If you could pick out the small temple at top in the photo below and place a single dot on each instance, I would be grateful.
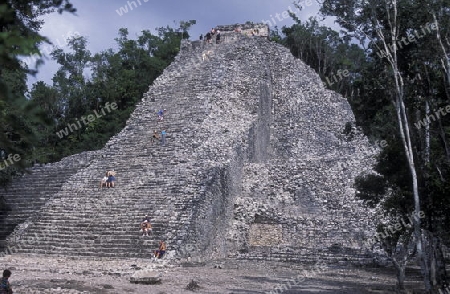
(249, 29)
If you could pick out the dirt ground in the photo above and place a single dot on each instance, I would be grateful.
(51, 274)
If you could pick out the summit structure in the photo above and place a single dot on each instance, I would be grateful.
(256, 165)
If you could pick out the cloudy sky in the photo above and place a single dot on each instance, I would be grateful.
(100, 20)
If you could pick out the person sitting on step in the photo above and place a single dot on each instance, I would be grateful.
(104, 180)
(161, 250)
(111, 179)
(146, 227)
(155, 137)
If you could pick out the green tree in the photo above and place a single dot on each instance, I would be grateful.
(19, 37)
(338, 62)
(69, 80)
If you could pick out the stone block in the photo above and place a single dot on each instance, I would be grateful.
(147, 277)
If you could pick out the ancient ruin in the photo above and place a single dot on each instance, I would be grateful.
(256, 166)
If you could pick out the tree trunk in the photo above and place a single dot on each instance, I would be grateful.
(445, 59)
(406, 139)
(400, 260)
(400, 276)
(438, 274)
(403, 124)
(432, 259)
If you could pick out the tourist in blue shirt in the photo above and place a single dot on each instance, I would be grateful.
(161, 114)
(163, 138)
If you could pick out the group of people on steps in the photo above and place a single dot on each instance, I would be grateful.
(146, 228)
(208, 38)
(213, 33)
(109, 179)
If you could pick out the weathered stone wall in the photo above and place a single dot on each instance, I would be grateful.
(214, 210)
(298, 167)
(265, 234)
(259, 134)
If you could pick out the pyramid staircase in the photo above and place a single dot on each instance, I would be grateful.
(31, 191)
(252, 138)
(81, 219)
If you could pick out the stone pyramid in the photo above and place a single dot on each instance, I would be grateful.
(256, 166)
